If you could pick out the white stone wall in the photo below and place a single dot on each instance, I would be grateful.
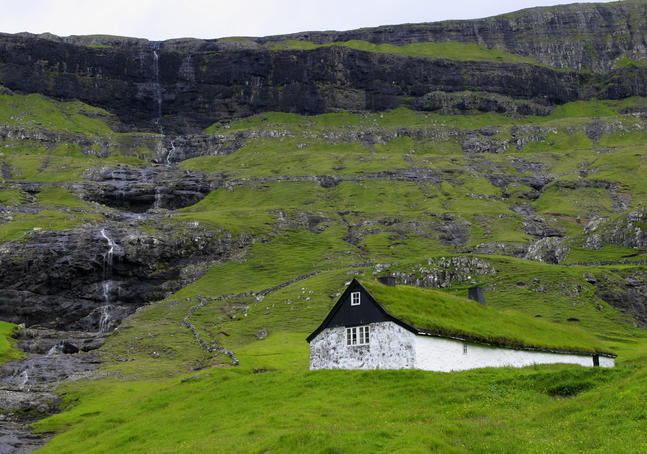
(446, 355)
(393, 347)
(390, 347)
(607, 362)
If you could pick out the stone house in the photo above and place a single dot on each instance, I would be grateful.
(359, 333)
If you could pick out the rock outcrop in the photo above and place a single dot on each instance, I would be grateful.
(91, 278)
(138, 189)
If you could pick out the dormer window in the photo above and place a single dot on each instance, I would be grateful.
(354, 299)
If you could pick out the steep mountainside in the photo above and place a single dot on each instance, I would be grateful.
(183, 207)
(579, 52)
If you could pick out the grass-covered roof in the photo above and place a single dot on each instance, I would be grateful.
(439, 313)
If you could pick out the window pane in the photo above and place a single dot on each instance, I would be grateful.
(354, 298)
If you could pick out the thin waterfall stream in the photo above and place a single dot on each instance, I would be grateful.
(107, 282)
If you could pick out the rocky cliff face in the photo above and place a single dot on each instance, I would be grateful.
(577, 36)
(92, 278)
(185, 85)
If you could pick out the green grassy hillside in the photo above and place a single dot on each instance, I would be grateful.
(433, 198)
(8, 349)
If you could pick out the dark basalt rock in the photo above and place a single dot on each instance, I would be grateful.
(185, 85)
(582, 36)
(63, 280)
(627, 291)
(27, 386)
(43, 341)
(537, 227)
(138, 189)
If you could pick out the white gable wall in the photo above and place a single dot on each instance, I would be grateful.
(393, 347)
(390, 347)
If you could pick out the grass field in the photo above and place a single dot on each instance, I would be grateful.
(272, 402)
(8, 350)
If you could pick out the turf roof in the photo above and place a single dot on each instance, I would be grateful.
(437, 313)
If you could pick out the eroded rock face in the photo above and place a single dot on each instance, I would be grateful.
(138, 189)
(625, 290)
(27, 387)
(91, 278)
(548, 250)
(629, 231)
(442, 272)
(590, 35)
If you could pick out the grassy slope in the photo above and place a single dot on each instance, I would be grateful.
(8, 350)
(234, 409)
(446, 50)
(26, 160)
(145, 407)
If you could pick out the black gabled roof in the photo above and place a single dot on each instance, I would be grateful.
(356, 285)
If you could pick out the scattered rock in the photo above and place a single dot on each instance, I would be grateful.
(548, 250)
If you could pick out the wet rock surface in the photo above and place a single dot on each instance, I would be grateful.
(138, 189)
(82, 279)
(27, 387)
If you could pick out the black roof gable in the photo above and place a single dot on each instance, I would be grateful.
(368, 311)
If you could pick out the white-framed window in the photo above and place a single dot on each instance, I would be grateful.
(354, 298)
(357, 335)
(464, 349)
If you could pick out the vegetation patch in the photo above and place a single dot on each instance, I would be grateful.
(23, 224)
(8, 347)
(444, 50)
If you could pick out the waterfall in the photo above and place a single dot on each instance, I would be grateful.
(24, 378)
(158, 99)
(158, 198)
(157, 86)
(170, 154)
(107, 283)
(104, 320)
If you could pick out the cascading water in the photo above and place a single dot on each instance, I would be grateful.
(157, 87)
(158, 199)
(158, 99)
(170, 154)
(24, 378)
(107, 283)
